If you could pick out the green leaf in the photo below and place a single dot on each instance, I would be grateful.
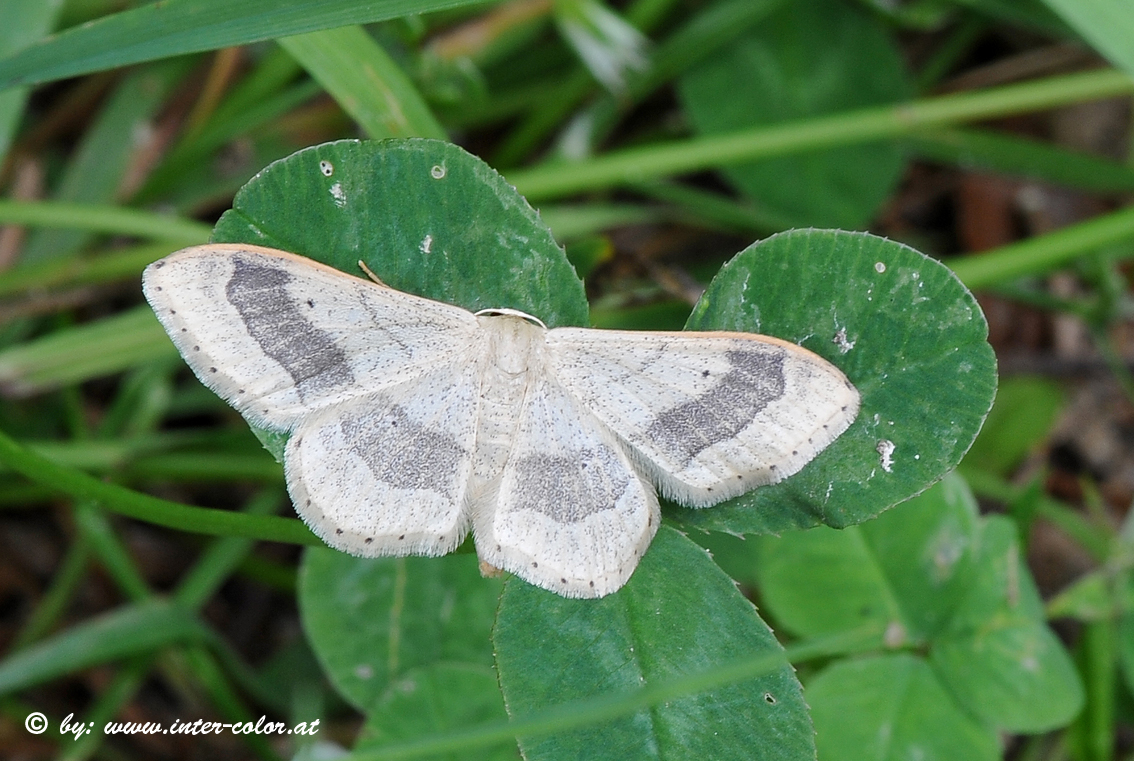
(999, 658)
(175, 27)
(916, 349)
(130, 630)
(1020, 420)
(906, 570)
(371, 622)
(889, 708)
(425, 216)
(934, 575)
(433, 699)
(677, 615)
(1107, 24)
(801, 62)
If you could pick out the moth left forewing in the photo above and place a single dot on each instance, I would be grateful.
(709, 415)
(570, 512)
(279, 336)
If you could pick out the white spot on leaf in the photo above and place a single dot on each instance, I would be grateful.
(879, 267)
(338, 194)
(841, 341)
(885, 449)
(437, 172)
(327, 168)
(895, 635)
(426, 244)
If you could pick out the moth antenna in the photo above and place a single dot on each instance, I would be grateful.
(370, 273)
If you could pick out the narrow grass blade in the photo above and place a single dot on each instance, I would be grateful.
(365, 81)
(128, 631)
(175, 27)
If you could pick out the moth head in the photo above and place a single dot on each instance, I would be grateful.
(506, 312)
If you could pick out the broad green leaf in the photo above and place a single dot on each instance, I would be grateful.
(821, 581)
(999, 658)
(906, 570)
(425, 216)
(434, 699)
(805, 61)
(934, 576)
(175, 27)
(891, 708)
(908, 335)
(127, 631)
(677, 615)
(1020, 420)
(371, 622)
(1107, 24)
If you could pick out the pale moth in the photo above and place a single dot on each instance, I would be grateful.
(412, 421)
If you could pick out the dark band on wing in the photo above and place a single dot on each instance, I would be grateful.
(569, 489)
(403, 453)
(755, 380)
(274, 320)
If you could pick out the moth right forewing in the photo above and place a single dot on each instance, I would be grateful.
(709, 415)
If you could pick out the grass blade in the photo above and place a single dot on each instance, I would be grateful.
(128, 631)
(176, 27)
(365, 81)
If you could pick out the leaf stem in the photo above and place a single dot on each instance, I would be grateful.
(152, 509)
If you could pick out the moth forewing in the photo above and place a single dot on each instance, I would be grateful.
(278, 335)
(709, 415)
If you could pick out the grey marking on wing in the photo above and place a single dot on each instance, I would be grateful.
(570, 489)
(755, 380)
(274, 320)
(403, 453)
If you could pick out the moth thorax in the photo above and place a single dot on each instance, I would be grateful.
(514, 358)
(513, 340)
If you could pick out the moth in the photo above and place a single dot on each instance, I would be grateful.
(412, 421)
